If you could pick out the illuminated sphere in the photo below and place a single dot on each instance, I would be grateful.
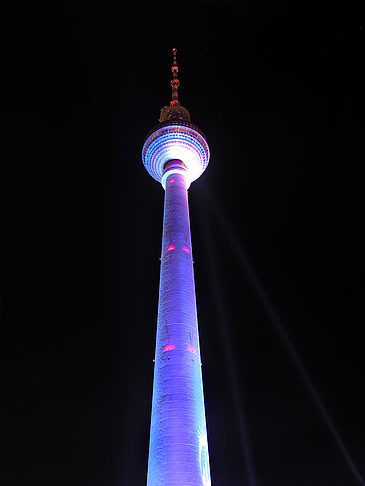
(175, 139)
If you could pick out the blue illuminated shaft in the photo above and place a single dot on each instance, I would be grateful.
(178, 452)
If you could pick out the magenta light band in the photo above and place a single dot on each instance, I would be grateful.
(174, 170)
(168, 347)
(192, 349)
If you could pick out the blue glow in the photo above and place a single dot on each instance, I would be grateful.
(204, 460)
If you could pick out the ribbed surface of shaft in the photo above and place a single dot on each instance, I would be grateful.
(178, 451)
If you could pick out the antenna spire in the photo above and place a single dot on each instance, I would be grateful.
(174, 82)
(175, 111)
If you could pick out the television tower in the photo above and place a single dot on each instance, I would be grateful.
(176, 153)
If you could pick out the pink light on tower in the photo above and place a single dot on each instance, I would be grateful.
(168, 347)
(192, 349)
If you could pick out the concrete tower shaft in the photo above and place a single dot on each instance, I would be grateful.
(178, 452)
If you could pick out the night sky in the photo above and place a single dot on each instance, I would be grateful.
(277, 229)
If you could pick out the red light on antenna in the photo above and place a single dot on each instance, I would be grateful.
(192, 349)
(172, 180)
(171, 247)
(185, 248)
(168, 347)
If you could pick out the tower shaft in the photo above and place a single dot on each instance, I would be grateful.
(178, 452)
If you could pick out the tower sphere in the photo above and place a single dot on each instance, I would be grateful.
(175, 139)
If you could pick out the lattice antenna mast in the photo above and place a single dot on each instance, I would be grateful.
(175, 83)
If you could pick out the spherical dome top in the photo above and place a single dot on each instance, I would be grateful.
(175, 140)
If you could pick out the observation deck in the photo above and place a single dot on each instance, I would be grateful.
(175, 139)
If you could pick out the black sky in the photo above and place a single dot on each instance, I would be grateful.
(279, 94)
